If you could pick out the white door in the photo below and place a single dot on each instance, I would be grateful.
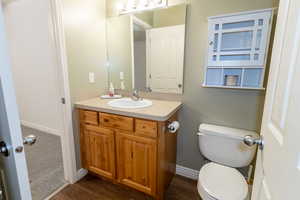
(165, 59)
(13, 166)
(277, 175)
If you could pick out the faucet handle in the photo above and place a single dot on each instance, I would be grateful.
(135, 91)
(148, 89)
(135, 95)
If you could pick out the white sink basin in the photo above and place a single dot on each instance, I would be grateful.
(129, 103)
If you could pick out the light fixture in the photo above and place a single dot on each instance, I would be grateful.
(107, 64)
(133, 6)
(151, 3)
(143, 3)
(120, 6)
(158, 2)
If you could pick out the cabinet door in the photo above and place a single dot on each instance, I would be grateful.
(136, 159)
(100, 151)
(239, 39)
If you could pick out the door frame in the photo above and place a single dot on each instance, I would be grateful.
(67, 138)
(134, 20)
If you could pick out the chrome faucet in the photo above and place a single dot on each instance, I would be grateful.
(135, 95)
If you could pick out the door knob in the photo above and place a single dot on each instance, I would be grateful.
(250, 141)
(30, 140)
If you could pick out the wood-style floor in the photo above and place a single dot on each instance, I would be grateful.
(94, 188)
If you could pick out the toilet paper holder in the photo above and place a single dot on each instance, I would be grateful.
(173, 126)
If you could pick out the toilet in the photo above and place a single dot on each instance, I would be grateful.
(224, 147)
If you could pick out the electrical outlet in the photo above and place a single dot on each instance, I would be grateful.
(91, 77)
(121, 75)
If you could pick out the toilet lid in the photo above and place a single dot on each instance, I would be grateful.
(224, 183)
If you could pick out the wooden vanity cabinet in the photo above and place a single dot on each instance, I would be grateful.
(134, 152)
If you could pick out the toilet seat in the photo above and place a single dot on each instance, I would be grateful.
(218, 182)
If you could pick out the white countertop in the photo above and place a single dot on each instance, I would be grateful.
(161, 110)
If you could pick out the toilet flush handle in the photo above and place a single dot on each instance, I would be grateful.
(250, 141)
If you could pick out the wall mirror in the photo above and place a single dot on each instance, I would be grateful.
(146, 49)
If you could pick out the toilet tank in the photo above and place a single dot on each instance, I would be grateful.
(225, 145)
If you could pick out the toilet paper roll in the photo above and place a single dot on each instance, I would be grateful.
(173, 127)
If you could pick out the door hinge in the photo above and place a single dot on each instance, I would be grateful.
(132, 155)
(150, 76)
(63, 100)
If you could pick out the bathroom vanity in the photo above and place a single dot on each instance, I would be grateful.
(132, 147)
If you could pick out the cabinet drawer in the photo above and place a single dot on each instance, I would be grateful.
(89, 117)
(116, 121)
(146, 128)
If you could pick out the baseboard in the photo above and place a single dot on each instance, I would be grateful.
(80, 174)
(187, 172)
(41, 128)
(180, 170)
(56, 191)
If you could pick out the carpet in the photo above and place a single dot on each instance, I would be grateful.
(44, 162)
